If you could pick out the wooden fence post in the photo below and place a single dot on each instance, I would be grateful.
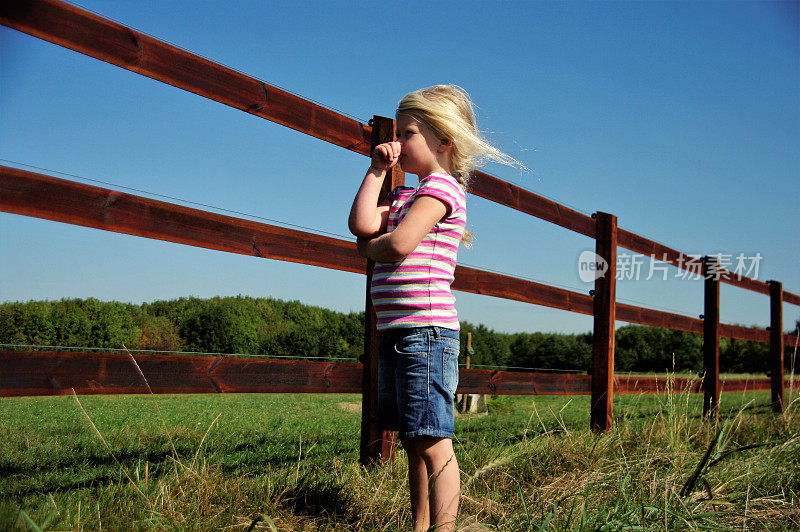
(776, 343)
(711, 338)
(465, 396)
(604, 308)
(376, 444)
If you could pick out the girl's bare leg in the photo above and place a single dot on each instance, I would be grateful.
(417, 486)
(444, 480)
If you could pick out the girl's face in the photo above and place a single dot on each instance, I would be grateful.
(421, 152)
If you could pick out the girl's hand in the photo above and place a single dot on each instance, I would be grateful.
(385, 155)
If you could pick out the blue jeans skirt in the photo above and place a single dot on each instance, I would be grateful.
(417, 380)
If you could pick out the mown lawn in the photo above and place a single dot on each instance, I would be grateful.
(289, 462)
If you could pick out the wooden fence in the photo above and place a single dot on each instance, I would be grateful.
(27, 373)
(42, 196)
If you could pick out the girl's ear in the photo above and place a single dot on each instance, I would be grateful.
(444, 145)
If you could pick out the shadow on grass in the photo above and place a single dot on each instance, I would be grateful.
(321, 496)
(62, 486)
(627, 414)
(267, 450)
(129, 458)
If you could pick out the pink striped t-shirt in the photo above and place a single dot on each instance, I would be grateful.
(415, 291)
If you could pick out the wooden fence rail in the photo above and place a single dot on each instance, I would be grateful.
(31, 373)
(41, 196)
(82, 31)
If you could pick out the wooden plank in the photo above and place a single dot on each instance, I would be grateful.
(496, 382)
(377, 445)
(743, 333)
(657, 318)
(744, 282)
(251, 375)
(791, 340)
(499, 191)
(711, 385)
(79, 30)
(529, 383)
(789, 297)
(650, 248)
(506, 287)
(50, 198)
(629, 384)
(494, 189)
(743, 385)
(605, 289)
(25, 373)
(31, 373)
(776, 344)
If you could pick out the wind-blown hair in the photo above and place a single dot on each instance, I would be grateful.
(449, 112)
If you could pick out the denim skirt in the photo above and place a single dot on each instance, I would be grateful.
(417, 380)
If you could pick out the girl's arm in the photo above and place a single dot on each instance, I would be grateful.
(367, 218)
(425, 212)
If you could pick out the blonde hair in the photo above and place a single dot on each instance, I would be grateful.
(449, 112)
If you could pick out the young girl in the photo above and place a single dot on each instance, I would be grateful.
(413, 236)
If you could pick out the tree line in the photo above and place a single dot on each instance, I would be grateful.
(273, 327)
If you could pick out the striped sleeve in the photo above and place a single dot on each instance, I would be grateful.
(442, 187)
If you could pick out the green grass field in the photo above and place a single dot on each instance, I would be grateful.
(289, 462)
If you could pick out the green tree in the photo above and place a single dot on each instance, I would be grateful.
(158, 333)
(27, 324)
(222, 325)
(490, 348)
(741, 356)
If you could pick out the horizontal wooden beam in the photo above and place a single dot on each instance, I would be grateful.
(631, 384)
(82, 31)
(789, 297)
(56, 373)
(506, 287)
(650, 248)
(41, 196)
(30, 373)
(521, 383)
(494, 189)
(658, 318)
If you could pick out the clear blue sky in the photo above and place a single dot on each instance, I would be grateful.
(682, 118)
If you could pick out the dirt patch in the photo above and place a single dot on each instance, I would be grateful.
(351, 407)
